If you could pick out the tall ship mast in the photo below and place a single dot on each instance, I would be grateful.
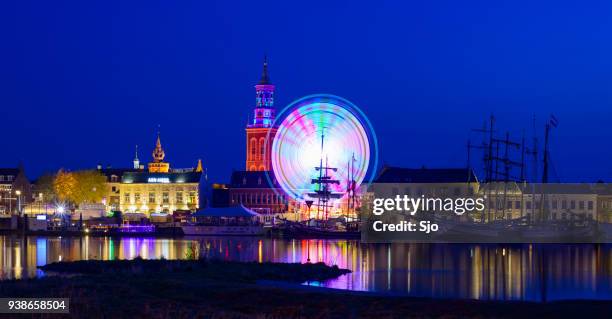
(323, 194)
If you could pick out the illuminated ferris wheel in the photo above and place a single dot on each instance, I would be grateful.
(323, 149)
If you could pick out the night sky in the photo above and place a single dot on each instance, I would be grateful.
(82, 82)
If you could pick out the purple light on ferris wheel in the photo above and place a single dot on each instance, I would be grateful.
(348, 144)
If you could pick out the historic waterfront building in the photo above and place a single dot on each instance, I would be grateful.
(417, 182)
(261, 131)
(256, 187)
(15, 190)
(255, 191)
(158, 189)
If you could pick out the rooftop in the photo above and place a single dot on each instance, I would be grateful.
(425, 175)
(144, 177)
(5, 172)
(253, 179)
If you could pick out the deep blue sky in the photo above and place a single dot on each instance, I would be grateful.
(82, 82)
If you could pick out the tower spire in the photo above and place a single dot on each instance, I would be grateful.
(199, 167)
(260, 129)
(136, 160)
(158, 165)
(158, 152)
(265, 76)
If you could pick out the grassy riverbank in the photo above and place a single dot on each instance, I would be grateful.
(188, 289)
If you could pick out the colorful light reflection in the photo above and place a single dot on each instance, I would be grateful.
(296, 149)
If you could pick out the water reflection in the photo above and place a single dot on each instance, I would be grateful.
(504, 272)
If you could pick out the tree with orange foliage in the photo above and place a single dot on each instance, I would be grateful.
(80, 187)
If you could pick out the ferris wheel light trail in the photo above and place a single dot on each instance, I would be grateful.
(297, 149)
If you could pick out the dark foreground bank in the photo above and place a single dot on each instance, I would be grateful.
(212, 289)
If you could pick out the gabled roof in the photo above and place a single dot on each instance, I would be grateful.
(253, 179)
(425, 175)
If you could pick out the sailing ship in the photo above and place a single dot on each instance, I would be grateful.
(535, 223)
(323, 197)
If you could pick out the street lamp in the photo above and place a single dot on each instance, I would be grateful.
(10, 201)
(18, 193)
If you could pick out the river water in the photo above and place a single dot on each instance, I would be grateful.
(501, 272)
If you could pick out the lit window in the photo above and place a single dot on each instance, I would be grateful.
(261, 147)
(253, 148)
(165, 198)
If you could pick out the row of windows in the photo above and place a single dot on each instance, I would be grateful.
(259, 198)
(260, 180)
(264, 98)
(8, 178)
(554, 204)
(556, 216)
(191, 199)
(606, 204)
(254, 148)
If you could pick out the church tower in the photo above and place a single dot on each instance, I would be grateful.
(158, 165)
(258, 148)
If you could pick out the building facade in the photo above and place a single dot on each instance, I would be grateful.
(15, 190)
(416, 182)
(259, 191)
(255, 187)
(604, 202)
(158, 189)
(538, 202)
(559, 202)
